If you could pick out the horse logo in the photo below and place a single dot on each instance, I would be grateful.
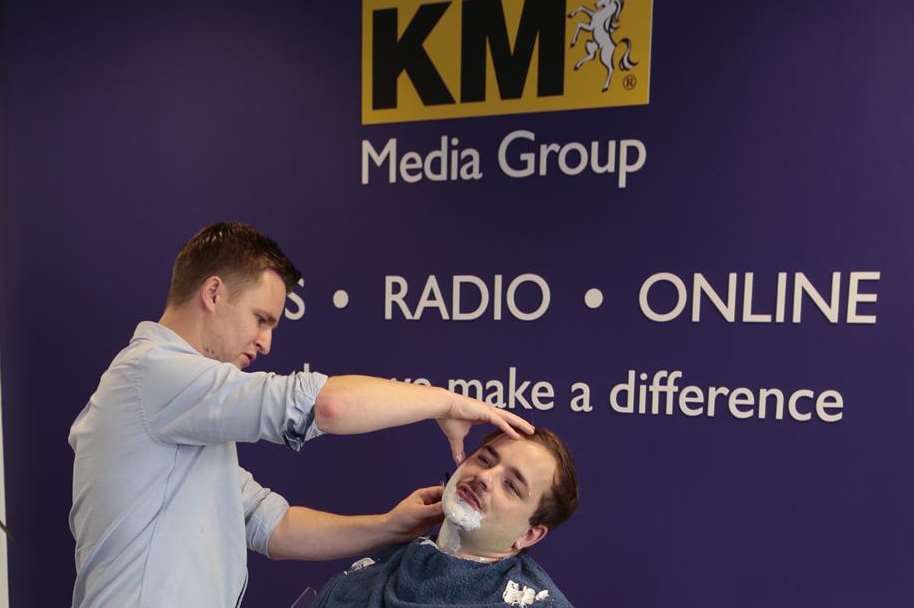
(604, 21)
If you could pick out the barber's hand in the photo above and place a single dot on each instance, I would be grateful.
(465, 412)
(416, 514)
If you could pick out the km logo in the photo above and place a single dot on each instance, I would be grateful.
(428, 60)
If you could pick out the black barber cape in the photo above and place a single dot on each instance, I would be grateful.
(418, 574)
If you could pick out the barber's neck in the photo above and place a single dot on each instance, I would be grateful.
(455, 541)
(184, 323)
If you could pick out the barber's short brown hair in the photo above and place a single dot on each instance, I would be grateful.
(561, 501)
(236, 253)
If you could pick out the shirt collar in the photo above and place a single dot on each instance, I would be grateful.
(156, 332)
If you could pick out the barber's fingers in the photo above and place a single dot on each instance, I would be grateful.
(518, 422)
(456, 444)
(432, 511)
(510, 423)
(429, 495)
(426, 512)
(455, 427)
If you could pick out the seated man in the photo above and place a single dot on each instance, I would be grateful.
(502, 500)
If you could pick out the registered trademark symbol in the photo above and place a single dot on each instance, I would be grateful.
(629, 82)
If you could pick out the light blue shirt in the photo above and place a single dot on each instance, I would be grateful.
(162, 513)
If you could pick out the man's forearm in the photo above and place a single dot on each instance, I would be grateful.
(312, 535)
(348, 405)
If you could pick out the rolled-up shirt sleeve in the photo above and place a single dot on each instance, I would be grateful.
(189, 399)
(301, 425)
(263, 509)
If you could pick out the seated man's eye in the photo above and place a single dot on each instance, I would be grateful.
(512, 488)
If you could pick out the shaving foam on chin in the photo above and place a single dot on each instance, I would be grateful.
(458, 511)
(458, 517)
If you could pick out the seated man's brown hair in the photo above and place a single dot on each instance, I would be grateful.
(560, 502)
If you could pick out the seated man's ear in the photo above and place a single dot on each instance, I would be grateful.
(533, 535)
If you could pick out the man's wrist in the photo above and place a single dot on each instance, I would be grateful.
(445, 399)
(388, 532)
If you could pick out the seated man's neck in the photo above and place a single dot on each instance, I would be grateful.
(455, 541)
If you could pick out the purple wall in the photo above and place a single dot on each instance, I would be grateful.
(778, 140)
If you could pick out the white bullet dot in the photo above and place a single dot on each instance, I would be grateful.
(593, 298)
(341, 298)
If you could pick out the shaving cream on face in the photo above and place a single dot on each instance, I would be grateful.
(458, 511)
(449, 538)
(458, 517)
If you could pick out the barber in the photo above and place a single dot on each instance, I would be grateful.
(162, 513)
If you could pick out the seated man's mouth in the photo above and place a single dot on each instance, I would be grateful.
(469, 496)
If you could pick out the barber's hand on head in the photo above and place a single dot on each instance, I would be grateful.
(465, 412)
(416, 513)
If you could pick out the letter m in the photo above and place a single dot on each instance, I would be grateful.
(484, 27)
(391, 56)
(466, 388)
